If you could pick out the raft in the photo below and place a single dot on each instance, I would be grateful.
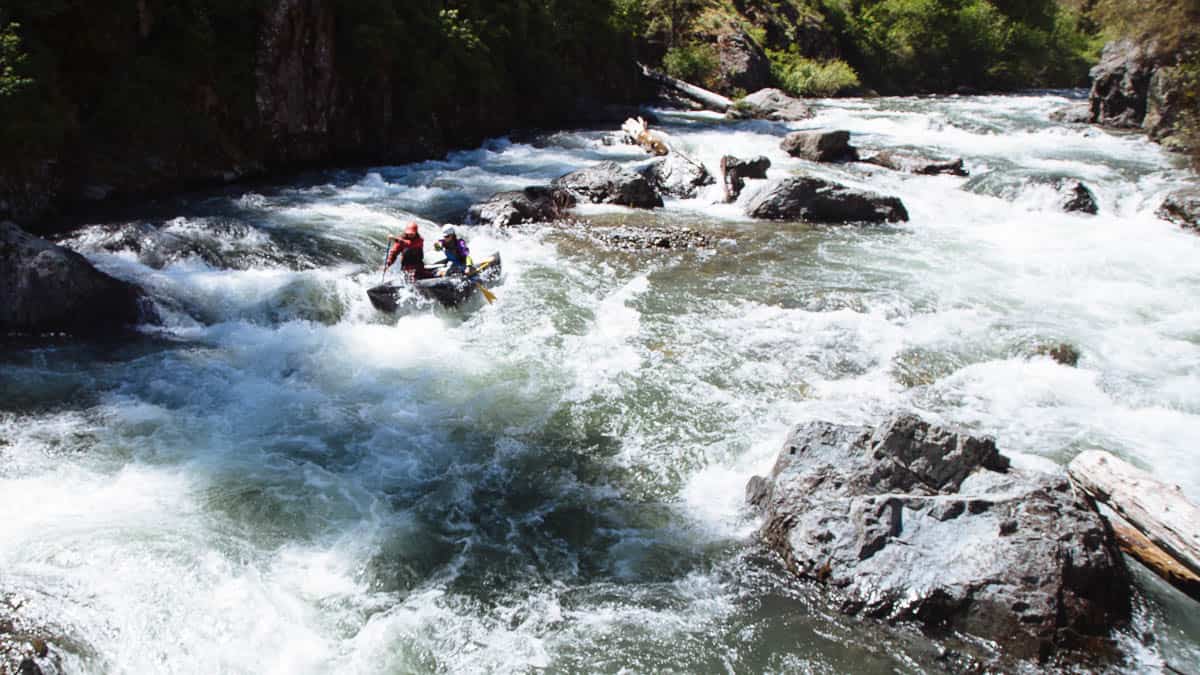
(448, 291)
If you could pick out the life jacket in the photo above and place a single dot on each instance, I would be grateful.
(458, 254)
(410, 251)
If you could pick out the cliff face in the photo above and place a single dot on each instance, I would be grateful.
(272, 85)
(1138, 85)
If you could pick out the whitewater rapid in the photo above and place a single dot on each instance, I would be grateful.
(280, 479)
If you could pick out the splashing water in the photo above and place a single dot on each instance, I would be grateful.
(282, 479)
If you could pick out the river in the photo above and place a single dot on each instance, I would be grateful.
(280, 479)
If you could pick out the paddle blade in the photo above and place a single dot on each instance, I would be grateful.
(486, 293)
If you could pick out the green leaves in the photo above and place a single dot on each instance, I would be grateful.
(11, 61)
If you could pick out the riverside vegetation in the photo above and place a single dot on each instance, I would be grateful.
(122, 98)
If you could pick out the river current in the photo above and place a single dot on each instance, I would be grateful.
(280, 479)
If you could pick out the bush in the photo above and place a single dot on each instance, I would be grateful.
(695, 63)
(801, 76)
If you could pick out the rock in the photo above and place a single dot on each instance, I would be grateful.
(640, 238)
(677, 176)
(769, 104)
(913, 522)
(1061, 352)
(1076, 113)
(48, 288)
(1077, 197)
(742, 63)
(610, 183)
(919, 165)
(530, 205)
(820, 201)
(1120, 83)
(1182, 207)
(820, 146)
(1166, 98)
(734, 173)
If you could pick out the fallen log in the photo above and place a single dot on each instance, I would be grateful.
(710, 100)
(1159, 511)
(1156, 560)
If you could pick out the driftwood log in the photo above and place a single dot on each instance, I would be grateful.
(710, 100)
(1160, 512)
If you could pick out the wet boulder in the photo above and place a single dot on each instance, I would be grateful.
(677, 176)
(820, 201)
(1076, 197)
(535, 204)
(820, 146)
(735, 171)
(907, 163)
(914, 522)
(611, 183)
(50, 289)
(1182, 207)
(769, 104)
(1076, 113)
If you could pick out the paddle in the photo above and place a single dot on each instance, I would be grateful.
(487, 295)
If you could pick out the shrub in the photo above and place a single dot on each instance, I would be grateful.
(801, 76)
(695, 62)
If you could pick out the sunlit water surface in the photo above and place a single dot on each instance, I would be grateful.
(283, 480)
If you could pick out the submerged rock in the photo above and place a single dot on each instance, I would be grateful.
(1077, 197)
(677, 176)
(821, 201)
(48, 289)
(530, 205)
(735, 171)
(820, 146)
(913, 522)
(919, 165)
(769, 104)
(1076, 113)
(1182, 207)
(638, 238)
(611, 183)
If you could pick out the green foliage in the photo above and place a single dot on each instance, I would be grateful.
(695, 62)
(801, 76)
(12, 60)
(937, 45)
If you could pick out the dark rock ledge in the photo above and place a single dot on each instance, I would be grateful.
(50, 289)
(914, 522)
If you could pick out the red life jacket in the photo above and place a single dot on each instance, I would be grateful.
(411, 252)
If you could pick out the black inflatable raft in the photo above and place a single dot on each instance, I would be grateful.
(449, 291)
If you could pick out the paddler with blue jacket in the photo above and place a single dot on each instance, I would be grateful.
(457, 254)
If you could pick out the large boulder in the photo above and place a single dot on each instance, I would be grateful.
(1075, 113)
(531, 205)
(50, 289)
(769, 104)
(906, 163)
(1166, 98)
(1182, 207)
(820, 201)
(611, 183)
(742, 63)
(820, 146)
(735, 171)
(1120, 83)
(677, 176)
(913, 522)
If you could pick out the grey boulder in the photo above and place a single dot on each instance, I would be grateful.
(907, 163)
(1075, 197)
(50, 289)
(820, 201)
(769, 104)
(735, 171)
(677, 176)
(611, 183)
(820, 146)
(1182, 207)
(914, 522)
(531, 205)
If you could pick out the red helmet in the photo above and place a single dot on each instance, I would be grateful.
(411, 229)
